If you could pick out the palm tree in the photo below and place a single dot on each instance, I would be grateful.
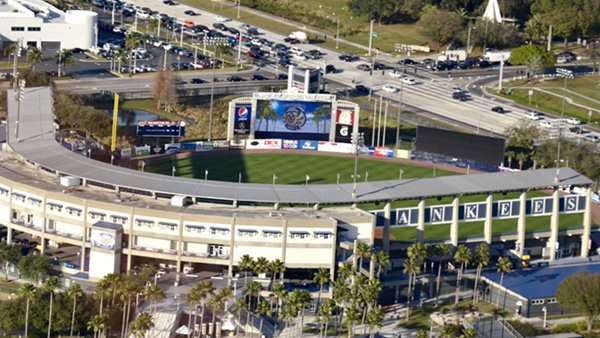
(141, 325)
(447, 331)
(9, 254)
(246, 265)
(154, 293)
(362, 250)
(64, 59)
(481, 260)
(121, 56)
(262, 309)
(462, 257)
(240, 305)
(219, 300)
(469, 333)
(205, 290)
(28, 291)
(280, 293)
(322, 277)
(341, 294)
(113, 282)
(324, 315)
(261, 265)
(441, 250)
(97, 324)
(289, 313)
(128, 291)
(383, 260)
(251, 289)
(276, 266)
(375, 318)
(521, 158)
(369, 293)
(504, 265)
(509, 157)
(346, 271)
(74, 292)
(421, 251)
(300, 299)
(50, 285)
(265, 113)
(353, 315)
(10, 50)
(193, 300)
(146, 37)
(131, 42)
(34, 56)
(153, 24)
(411, 268)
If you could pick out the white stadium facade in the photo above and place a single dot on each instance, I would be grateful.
(41, 25)
(119, 217)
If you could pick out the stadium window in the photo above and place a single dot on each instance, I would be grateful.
(54, 206)
(219, 231)
(97, 215)
(4, 192)
(551, 300)
(247, 233)
(17, 29)
(299, 234)
(146, 223)
(74, 211)
(537, 302)
(322, 235)
(34, 29)
(194, 228)
(271, 234)
(118, 219)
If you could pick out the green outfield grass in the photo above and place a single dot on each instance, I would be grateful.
(470, 229)
(289, 168)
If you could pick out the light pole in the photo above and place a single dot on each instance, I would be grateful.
(173, 170)
(238, 9)
(214, 42)
(398, 119)
(20, 96)
(357, 140)
(206, 174)
(565, 73)
(371, 37)
(545, 311)
(337, 35)
(479, 115)
(143, 166)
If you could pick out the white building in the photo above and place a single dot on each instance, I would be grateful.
(42, 25)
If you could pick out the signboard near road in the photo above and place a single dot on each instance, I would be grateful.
(161, 128)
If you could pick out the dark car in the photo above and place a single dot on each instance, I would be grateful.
(196, 81)
(77, 50)
(252, 31)
(364, 67)
(202, 28)
(192, 13)
(498, 110)
(379, 66)
(258, 77)
(464, 65)
(484, 64)
(330, 69)
(291, 40)
(282, 53)
(406, 62)
(284, 62)
(459, 96)
(170, 2)
(577, 130)
(281, 76)
(360, 89)
(233, 31)
(234, 79)
(280, 46)
(220, 26)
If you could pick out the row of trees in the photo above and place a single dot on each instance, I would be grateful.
(418, 254)
(64, 59)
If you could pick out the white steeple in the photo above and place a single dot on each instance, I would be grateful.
(492, 12)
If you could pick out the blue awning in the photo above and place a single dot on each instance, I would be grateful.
(271, 231)
(195, 226)
(323, 233)
(219, 229)
(299, 232)
(119, 217)
(16, 194)
(54, 205)
(167, 224)
(35, 200)
(139, 220)
(96, 213)
(74, 209)
(252, 231)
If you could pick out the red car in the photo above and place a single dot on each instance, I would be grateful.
(253, 54)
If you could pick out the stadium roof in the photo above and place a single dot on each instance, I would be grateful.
(38, 145)
(546, 280)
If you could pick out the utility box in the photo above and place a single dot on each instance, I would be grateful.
(69, 181)
(179, 201)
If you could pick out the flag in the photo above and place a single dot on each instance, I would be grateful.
(307, 177)
(275, 177)
(174, 170)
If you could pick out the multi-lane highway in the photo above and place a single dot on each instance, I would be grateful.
(431, 93)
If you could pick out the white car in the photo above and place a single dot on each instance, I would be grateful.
(573, 120)
(457, 90)
(221, 18)
(547, 124)
(300, 57)
(592, 138)
(389, 88)
(408, 81)
(167, 46)
(395, 74)
(532, 115)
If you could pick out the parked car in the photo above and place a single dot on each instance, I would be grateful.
(360, 89)
(396, 74)
(197, 81)
(577, 130)
(406, 62)
(330, 69)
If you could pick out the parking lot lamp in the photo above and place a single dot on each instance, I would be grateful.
(357, 140)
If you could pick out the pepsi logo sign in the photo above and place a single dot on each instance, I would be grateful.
(243, 112)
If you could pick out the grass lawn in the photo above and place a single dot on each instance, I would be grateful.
(588, 85)
(471, 229)
(290, 169)
(388, 35)
(419, 318)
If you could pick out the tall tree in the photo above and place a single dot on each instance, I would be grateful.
(411, 267)
(27, 291)
(10, 50)
(74, 292)
(322, 277)
(441, 26)
(246, 263)
(9, 255)
(98, 324)
(324, 316)
(64, 59)
(362, 250)
(481, 260)
(34, 56)
(375, 319)
(261, 265)
(442, 251)
(276, 266)
(141, 325)
(131, 42)
(504, 265)
(462, 257)
(36, 267)
(263, 309)
(205, 290)
(251, 289)
(581, 292)
(521, 55)
(154, 293)
(382, 259)
(51, 285)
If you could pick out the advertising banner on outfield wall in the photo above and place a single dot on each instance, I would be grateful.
(309, 145)
(142, 151)
(126, 153)
(289, 144)
(403, 153)
(335, 147)
(384, 152)
(241, 124)
(237, 144)
(264, 144)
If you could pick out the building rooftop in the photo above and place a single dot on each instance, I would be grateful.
(38, 145)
